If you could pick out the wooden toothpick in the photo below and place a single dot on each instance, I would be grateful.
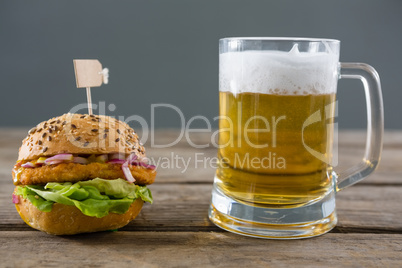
(89, 100)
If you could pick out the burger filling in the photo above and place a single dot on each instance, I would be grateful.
(96, 184)
(96, 198)
(74, 168)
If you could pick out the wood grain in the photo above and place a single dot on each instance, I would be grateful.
(189, 249)
(175, 231)
(351, 150)
(184, 207)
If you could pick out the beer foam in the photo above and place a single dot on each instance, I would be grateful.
(278, 72)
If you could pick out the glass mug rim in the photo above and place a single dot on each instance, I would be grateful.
(274, 39)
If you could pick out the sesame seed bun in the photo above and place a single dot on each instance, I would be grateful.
(69, 220)
(85, 136)
(80, 134)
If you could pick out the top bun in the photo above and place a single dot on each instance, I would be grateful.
(80, 134)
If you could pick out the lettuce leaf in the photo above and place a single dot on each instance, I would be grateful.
(97, 197)
(36, 200)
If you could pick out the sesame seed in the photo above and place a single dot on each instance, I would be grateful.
(32, 130)
(39, 130)
(52, 122)
(94, 130)
(117, 140)
(56, 128)
(78, 138)
(86, 143)
(83, 116)
(64, 122)
(93, 119)
(92, 115)
(73, 126)
(105, 135)
(45, 149)
(50, 130)
(58, 121)
(49, 138)
(39, 142)
(118, 131)
(44, 135)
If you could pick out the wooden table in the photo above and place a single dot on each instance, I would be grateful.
(175, 230)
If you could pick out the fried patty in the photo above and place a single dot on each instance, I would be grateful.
(72, 172)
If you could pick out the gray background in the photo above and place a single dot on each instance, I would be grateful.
(167, 52)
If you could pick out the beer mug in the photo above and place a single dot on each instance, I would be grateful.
(277, 97)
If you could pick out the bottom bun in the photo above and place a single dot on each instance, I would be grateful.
(69, 220)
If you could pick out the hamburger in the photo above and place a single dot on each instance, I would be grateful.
(80, 173)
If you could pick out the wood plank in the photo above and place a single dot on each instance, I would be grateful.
(182, 198)
(350, 152)
(188, 249)
(388, 172)
(184, 207)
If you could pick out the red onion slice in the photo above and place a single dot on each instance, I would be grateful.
(126, 169)
(127, 172)
(143, 164)
(59, 157)
(147, 165)
(28, 165)
(16, 199)
(55, 162)
(131, 158)
(116, 161)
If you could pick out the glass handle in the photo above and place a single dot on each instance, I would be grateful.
(375, 122)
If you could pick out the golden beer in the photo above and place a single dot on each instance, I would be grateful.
(275, 150)
(276, 132)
